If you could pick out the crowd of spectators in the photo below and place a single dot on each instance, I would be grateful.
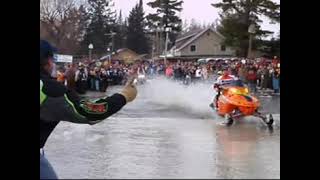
(263, 74)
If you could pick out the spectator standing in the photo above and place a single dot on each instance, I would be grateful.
(70, 77)
(204, 73)
(103, 80)
(97, 78)
(264, 78)
(91, 79)
(276, 81)
(271, 70)
(81, 78)
(259, 74)
(242, 73)
(169, 71)
(252, 80)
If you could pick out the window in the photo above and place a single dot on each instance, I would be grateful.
(208, 33)
(193, 48)
(223, 48)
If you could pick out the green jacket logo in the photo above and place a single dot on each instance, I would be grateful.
(43, 96)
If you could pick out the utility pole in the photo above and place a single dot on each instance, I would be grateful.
(112, 34)
(167, 30)
(90, 51)
(251, 31)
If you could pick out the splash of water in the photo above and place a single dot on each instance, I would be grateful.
(194, 98)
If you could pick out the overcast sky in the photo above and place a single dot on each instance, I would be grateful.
(200, 10)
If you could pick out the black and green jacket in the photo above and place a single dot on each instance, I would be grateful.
(57, 103)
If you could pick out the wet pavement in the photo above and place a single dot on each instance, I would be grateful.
(169, 131)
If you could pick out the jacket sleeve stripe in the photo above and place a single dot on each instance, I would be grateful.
(73, 107)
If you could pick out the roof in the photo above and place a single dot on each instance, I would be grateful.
(119, 53)
(183, 41)
(126, 49)
(186, 40)
(188, 34)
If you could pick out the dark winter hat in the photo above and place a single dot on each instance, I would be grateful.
(46, 51)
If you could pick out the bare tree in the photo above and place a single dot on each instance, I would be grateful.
(61, 22)
(194, 25)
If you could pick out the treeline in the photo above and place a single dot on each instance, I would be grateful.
(72, 25)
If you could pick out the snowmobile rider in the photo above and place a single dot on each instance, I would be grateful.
(225, 79)
(57, 103)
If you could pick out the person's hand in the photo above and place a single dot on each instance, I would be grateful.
(129, 91)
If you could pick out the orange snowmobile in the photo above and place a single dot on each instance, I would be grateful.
(235, 102)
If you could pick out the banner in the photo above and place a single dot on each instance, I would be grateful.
(63, 58)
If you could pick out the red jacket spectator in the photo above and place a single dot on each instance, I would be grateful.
(169, 71)
(252, 76)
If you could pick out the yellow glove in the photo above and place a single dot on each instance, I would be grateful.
(129, 91)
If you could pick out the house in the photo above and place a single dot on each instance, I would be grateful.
(199, 44)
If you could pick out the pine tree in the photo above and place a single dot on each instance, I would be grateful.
(271, 47)
(166, 17)
(102, 22)
(136, 34)
(238, 15)
(121, 32)
(195, 26)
